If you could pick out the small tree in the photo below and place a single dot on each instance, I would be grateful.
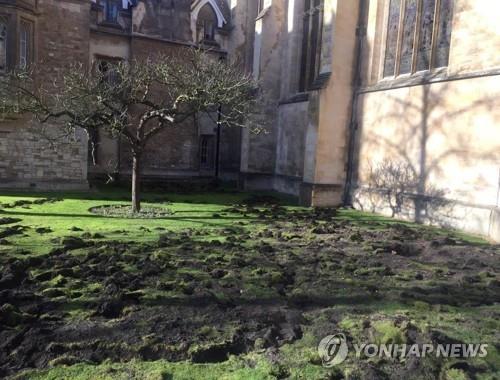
(398, 184)
(135, 100)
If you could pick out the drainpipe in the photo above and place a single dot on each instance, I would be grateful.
(217, 146)
(356, 83)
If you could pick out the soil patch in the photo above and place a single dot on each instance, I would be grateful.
(125, 211)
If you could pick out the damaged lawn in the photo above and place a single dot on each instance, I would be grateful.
(233, 285)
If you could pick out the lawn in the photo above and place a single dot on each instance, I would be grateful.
(233, 285)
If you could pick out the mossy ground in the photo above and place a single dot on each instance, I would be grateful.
(234, 275)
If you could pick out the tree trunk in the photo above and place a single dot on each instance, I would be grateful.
(136, 182)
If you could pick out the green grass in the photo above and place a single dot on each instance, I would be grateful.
(194, 211)
(234, 369)
(208, 215)
(190, 211)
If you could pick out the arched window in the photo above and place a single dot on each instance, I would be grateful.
(418, 36)
(206, 23)
(3, 46)
(311, 43)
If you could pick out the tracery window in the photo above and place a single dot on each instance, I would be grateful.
(206, 23)
(3, 45)
(311, 43)
(418, 36)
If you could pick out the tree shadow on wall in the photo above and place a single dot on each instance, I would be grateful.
(415, 149)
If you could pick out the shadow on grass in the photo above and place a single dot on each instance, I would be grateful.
(172, 218)
(222, 197)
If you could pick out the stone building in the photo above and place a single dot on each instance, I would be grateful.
(55, 33)
(387, 105)
(392, 106)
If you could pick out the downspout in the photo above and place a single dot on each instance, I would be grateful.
(217, 146)
(356, 83)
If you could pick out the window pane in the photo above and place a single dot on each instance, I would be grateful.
(444, 33)
(3, 47)
(206, 23)
(410, 21)
(392, 38)
(314, 35)
(111, 10)
(305, 45)
(25, 44)
(426, 28)
(207, 153)
(23, 48)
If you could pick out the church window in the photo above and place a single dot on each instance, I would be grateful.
(207, 151)
(392, 37)
(410, 19)
(311, 43)
(418, 36)
(206, 23)
(444, 33)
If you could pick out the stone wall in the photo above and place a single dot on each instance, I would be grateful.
(444, 125)
(160, 28)
(163, 19)
(174, 151)
(290, 149)
(25, 157)
(259, 150)
(27, 161)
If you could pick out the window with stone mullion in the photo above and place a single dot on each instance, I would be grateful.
(311, 43)
(418, 36)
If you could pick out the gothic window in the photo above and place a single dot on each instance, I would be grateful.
(3, 45)
(424, 53)
(25, 44)
(392, 37)
(311, 43)
(207, 151)
(111, 9)
(409, 24)
(418, 36)
(206, 23)
(444, 33)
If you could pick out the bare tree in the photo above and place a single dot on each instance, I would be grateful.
(395, 181)
(398, 183)
(134, 100)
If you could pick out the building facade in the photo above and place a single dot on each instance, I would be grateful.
(56, 33)
(390, 106)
